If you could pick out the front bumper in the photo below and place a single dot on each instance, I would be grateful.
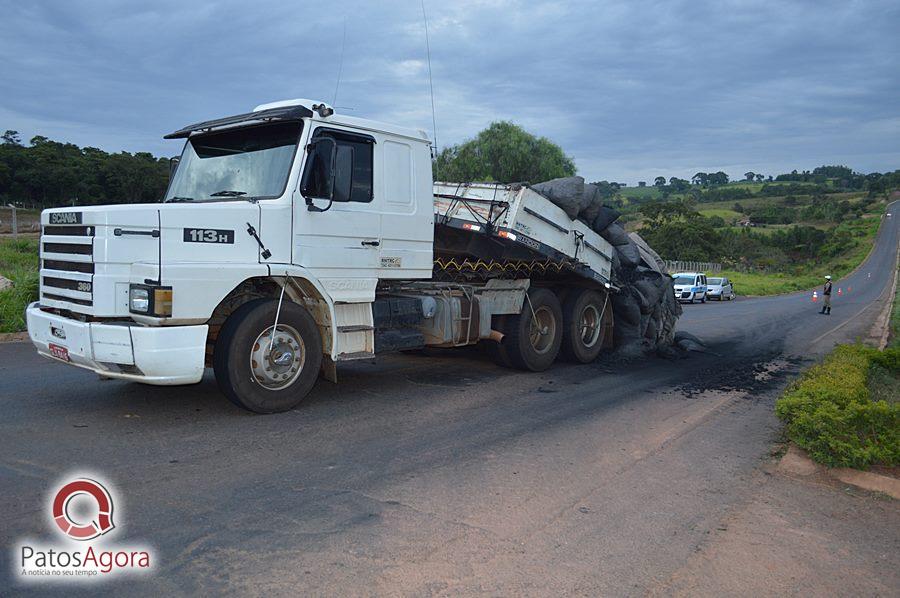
(148, 354)
(685, 295)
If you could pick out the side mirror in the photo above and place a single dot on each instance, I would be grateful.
(318, 177)
(173, 166)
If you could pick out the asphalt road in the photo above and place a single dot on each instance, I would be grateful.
(429, 474)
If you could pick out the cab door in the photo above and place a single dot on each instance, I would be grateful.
(340, 239)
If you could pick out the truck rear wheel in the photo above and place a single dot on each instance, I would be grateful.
(532, 338)
(583, 326)
(264, 368)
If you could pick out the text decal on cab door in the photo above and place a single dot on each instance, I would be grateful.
(208, 235)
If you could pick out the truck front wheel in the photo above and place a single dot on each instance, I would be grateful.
(583, 326)
(263, 367)
(533, 337)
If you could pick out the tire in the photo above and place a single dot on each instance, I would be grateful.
(583, 328)
(244, 368)
(527, 348)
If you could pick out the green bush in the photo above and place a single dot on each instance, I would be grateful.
(830, 413)
(889, 359)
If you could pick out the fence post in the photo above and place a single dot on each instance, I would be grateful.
(15, 223)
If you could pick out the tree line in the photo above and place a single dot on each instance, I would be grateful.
(47, 173)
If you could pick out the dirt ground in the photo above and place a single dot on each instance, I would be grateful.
(797, 535)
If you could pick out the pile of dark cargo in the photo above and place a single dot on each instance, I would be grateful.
(645, 308)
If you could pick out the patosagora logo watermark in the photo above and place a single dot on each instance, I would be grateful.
(81, 510)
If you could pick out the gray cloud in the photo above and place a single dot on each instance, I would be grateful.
(630, 89)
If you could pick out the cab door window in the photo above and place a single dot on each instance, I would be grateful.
(353, 165)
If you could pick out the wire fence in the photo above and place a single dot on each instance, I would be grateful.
(688, 266)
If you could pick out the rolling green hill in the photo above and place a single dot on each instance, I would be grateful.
(794, 240)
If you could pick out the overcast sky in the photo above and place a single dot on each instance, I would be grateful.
(630, 89)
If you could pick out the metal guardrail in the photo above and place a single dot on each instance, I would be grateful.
(689, 266)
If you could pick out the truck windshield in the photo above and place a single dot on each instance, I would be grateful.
(246, 163)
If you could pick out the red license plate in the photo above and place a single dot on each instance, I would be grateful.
(59, 352)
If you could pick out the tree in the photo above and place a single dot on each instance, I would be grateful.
(659, 181)
(701, 178)
(749, 175)
(11, 138)
(678, 232)
(505, 153)
(717, 178)
(834, 172)
(759, 178)
(642, 183)
(679, 185)
(658, 213)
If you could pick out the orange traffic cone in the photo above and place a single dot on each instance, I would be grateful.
(815, 296)
(849, 289)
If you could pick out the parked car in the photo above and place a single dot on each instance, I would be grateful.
(720, 288)
(690, 286)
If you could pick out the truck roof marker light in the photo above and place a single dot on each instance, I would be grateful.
(507, 235)
(470, 226)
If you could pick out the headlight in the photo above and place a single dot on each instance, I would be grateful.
(139, 300)
(150, 300)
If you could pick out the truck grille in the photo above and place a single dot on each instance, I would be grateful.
(67, 265)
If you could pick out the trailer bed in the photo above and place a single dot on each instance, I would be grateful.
(519, 216)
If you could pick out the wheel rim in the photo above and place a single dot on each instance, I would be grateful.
(589, 326)
(279, 367)
(542, 330)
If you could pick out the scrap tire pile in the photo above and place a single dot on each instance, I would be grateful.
(645, 308)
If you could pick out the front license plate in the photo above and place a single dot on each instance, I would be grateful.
(59, 352)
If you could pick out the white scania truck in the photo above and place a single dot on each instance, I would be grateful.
(291, 239)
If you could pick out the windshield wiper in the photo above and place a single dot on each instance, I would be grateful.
(177, 199)
(228, 193)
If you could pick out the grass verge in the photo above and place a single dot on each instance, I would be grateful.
(18, 263)
(894, 325)
(845, 412)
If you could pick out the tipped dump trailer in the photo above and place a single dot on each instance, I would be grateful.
(292, 239)
(514, 224)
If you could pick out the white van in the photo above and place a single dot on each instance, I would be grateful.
(690, 286)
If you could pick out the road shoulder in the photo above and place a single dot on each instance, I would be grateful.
(798, 533)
